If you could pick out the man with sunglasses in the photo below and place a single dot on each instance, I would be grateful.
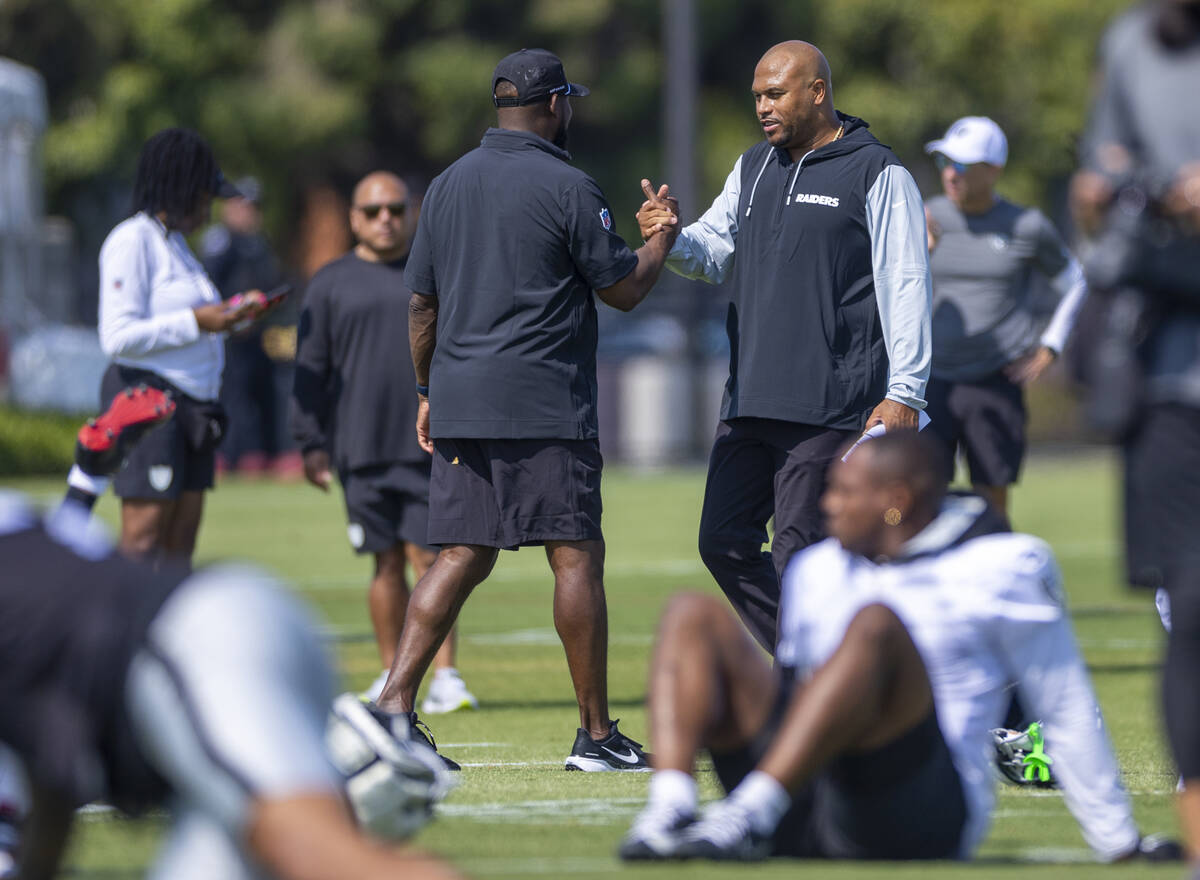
(984, 252)
(353, 409)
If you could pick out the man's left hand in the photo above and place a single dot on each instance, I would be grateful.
(1029, 367)
(894, 416)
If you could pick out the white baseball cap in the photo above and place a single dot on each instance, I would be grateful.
(972, 139)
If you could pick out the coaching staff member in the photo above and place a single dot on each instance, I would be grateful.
(828, 320)
(511, 244)
(1144, 134)
(353, 408)
(984, 252)
(161, 322)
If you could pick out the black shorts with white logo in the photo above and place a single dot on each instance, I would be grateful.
(163, 463)
(514, 493)
(986, 419)
(902, 801)
(386, 504)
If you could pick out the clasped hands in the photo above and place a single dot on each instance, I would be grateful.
(659, 213)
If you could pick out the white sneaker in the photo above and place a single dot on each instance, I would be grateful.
(447, 693)
(655, 833)
(375, 688)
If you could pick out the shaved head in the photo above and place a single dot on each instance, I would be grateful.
(911, 459)
(793, 98)
(806, 58)
(378, 217)
(383, 180)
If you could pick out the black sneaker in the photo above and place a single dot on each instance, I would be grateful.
(615, 752)
(417, 730)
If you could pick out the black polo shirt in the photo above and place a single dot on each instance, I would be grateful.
(512, 241)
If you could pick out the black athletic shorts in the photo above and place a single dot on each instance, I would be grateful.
(1162, 496)
(514, 493)
(902, 801)
(986, 418)
(164, 463)
(386, 504)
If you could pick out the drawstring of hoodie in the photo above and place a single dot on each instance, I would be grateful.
(750, 204)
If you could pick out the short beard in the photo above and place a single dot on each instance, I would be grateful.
(560, 138)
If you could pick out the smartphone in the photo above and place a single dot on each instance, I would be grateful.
(276, 295)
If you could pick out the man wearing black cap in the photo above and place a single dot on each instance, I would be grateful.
(511, 244)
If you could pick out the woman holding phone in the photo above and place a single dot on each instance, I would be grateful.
(162, 323)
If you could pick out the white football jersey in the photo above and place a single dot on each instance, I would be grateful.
(984, 614)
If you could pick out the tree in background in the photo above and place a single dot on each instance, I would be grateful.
(310, 94)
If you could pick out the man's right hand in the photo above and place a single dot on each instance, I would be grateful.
(659, 213)
(316, 469)
(423, 437)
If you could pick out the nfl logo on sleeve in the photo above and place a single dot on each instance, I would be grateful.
(606, 219)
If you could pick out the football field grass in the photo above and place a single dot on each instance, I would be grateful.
(518, 814)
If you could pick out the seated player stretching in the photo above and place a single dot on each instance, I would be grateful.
(898, 638)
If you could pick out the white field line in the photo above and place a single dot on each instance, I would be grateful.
(511, 763)
(586, 811)
(476, 745)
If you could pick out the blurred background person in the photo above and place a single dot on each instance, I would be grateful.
(161, 321)
(237, 257)
(353, 408)
(984, 253)
(1139, 193)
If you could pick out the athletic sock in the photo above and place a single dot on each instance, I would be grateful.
(674, 789)
(80, 479)
(764, 800)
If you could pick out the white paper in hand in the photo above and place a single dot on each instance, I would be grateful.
(879, 430)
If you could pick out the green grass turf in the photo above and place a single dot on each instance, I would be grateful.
(520, 815)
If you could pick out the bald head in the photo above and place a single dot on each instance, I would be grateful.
(378, 217)
(793, 97)
(805, 58)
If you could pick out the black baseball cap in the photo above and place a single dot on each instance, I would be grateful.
(537, 74)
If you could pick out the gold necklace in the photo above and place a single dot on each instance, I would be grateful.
(841, 131)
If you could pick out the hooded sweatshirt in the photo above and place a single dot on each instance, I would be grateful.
(830, 293)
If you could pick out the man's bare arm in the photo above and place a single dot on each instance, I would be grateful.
(422, 333)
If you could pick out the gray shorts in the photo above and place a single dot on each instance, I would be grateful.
(228, 701)
(514, 493)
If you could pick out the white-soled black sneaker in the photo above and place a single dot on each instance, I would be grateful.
(615, 752)
(413, 727)
(655, 834)
(723, 833)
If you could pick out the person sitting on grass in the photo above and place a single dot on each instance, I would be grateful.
(871, 740)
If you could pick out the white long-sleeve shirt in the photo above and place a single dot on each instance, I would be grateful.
(983, 614)
(149, 284)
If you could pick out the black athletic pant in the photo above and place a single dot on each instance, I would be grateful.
(761, 468)
(1162, 534)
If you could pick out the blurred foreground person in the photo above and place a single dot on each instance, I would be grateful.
(984, 254)
(899, 636)
(162, 322)
(353, 409)
(1139, 194)
(207, 693)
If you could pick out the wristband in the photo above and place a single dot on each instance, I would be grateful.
(422, 390)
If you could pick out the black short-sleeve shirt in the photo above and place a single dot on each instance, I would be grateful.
(512, 241)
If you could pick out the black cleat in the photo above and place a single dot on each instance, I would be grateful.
(615, 752)
(417, 730)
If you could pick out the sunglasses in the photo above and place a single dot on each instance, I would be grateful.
(944, 162)
(396, 209)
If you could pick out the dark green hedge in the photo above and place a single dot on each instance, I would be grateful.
(36, 443)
